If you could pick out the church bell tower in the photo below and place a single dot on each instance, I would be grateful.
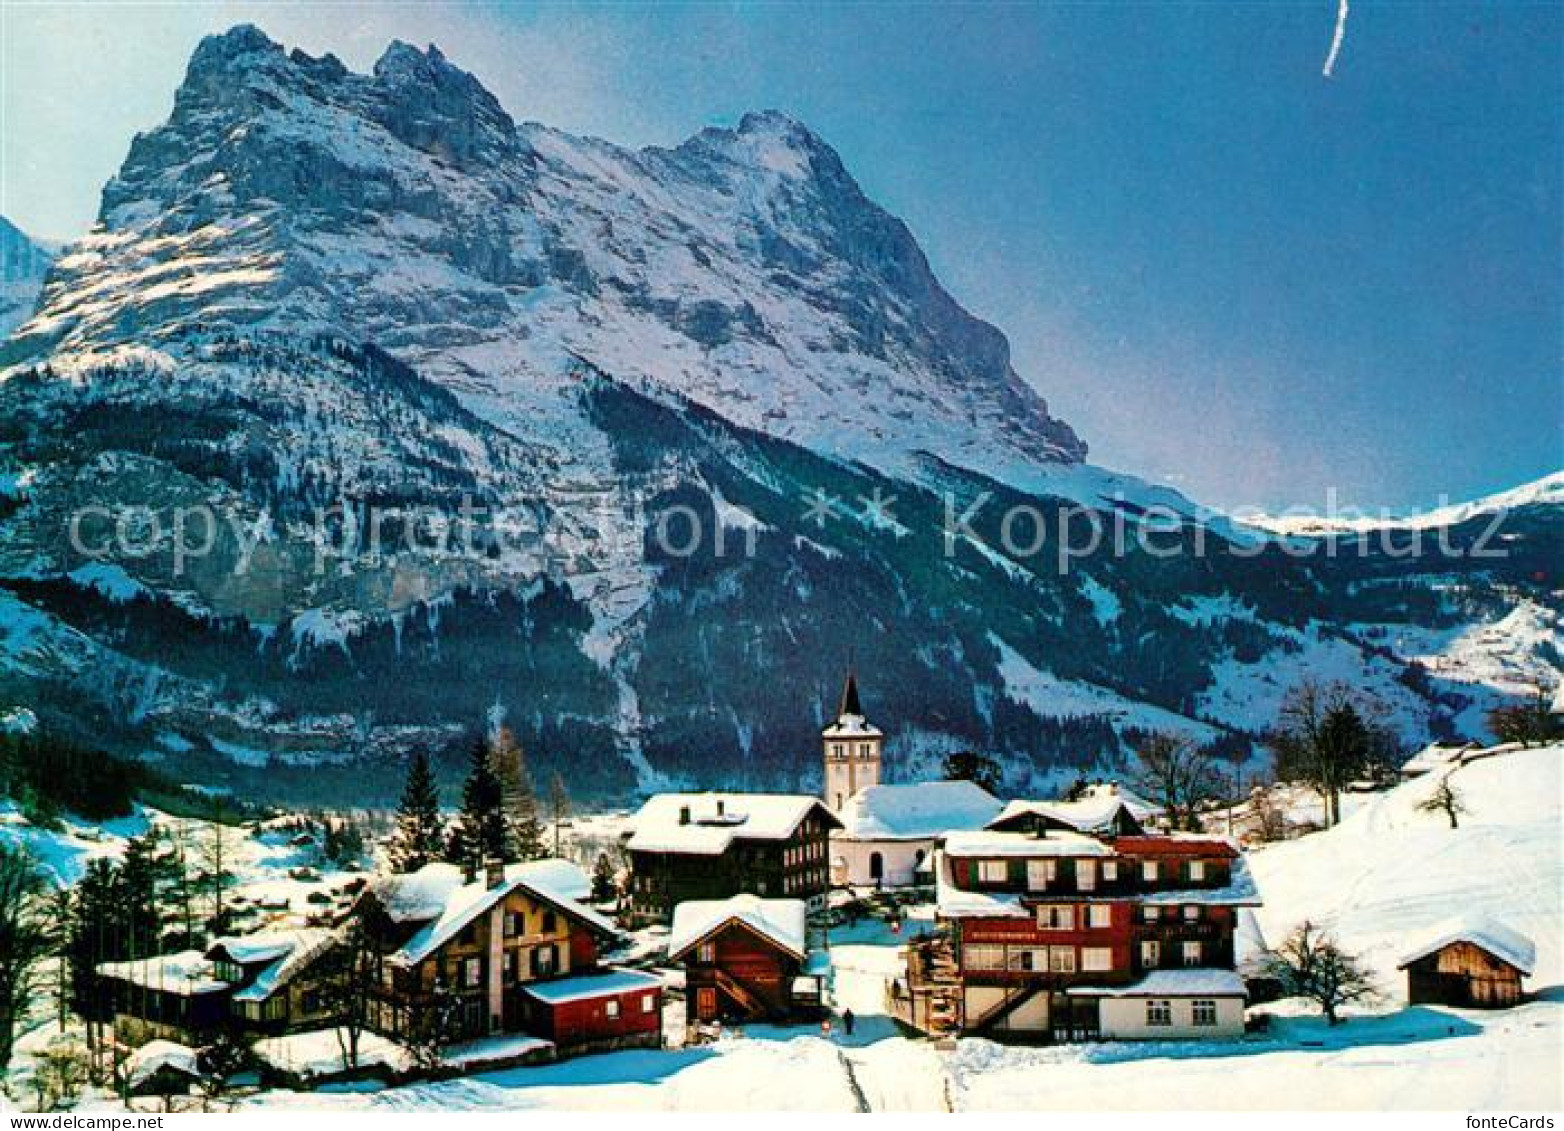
(852, 748)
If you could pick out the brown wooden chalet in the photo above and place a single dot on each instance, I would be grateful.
(246, 986)
(511, 951)
(746, 959)
(1057, 934)
(1472, 963)
(707, 846)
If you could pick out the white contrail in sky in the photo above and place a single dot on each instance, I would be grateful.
(1335, 40)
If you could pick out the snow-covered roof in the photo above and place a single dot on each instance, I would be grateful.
(1239, 891)
(416, 897)
(852, 726)
(1502, 942)
(1435, 756)
(613, 981)
(1091, 814)
(412, 897)
(918, 811)
(1140, 808)
(782, 921)
(186, 972)
(989, 844)
(705, 824)
(289, 952)
(1195, 981)
(155, 1056)
(245, 949)
(952, 902)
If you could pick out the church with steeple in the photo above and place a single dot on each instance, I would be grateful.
(852, 749)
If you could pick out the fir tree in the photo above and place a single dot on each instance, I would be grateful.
(524, 833)
(420, 830)
(139, 873)
(604, 884)
(480, 831)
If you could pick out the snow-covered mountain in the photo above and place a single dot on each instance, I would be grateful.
(23, 262)
(743, 270)
(1545, 492)
(326, 317)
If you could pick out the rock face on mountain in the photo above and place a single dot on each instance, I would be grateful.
(22, 266)
(365, 409)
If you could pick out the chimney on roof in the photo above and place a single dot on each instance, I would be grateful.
(493, 872)
(684, 814)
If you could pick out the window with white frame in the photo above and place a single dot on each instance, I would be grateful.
(649, 1003)
(1159, 1012)
(1191, 912)
(1099, 916)
(1151, 913)
(1110, 871)
(983, 956)
(1086, 875)
(1055, 917)
(1150, 954)
(1040, 873)
(1197, 870)
(706, 952)
(992, 871)
(1204, 1012)
(611, 1007)
(1148, 871)
(1061, 959)
(1191, 952)
(472, 972)
(1027, 958)
(1096, 959)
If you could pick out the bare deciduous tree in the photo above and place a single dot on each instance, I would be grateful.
(1530, 723)
(1445, 800)
(1175, 773)
(1310, 965)
(1326, 736)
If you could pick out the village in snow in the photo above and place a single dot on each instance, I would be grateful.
(1367, 935)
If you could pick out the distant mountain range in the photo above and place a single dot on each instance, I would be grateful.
(325, 312)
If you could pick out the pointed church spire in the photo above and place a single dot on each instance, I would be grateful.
(850, 704)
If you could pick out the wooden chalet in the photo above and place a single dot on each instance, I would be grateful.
(746, 959)
(276, 979)
(1055, 934)
(512, 951)
(705, 846)
(250, 986)
(1473, 963)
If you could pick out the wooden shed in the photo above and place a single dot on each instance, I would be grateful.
(1471, 963)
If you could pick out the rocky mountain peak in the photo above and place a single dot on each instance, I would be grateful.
(437, 107)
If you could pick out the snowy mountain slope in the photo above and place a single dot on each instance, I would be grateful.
(23, 262)
(316, 300)
(1547, 491)
(1389, 871)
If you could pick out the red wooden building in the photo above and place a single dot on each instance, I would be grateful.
(1056, 934)
(745, 959)
(612, 1009)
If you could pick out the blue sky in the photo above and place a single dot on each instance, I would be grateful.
(1227, 271)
